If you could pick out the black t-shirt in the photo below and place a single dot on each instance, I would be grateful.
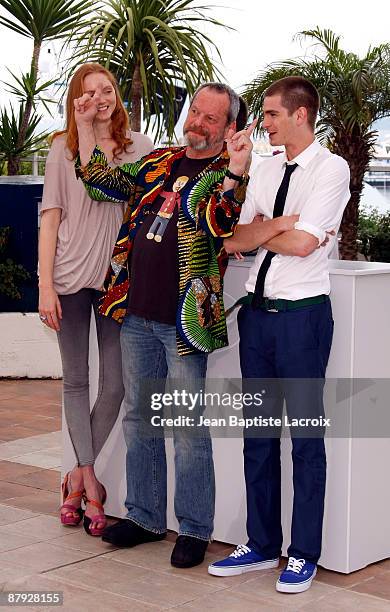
(154, 274)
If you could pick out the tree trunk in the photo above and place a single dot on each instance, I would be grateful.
(13, 166)
(349, 228)
(14, 161)
(135, 99)
(356, 151)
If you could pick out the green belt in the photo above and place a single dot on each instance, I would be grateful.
(279, 305)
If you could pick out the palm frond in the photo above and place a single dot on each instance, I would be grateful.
(45, 19)
(10, 123)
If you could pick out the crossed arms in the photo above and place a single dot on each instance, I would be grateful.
(276, 235)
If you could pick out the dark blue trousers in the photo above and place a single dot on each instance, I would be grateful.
(293, 345)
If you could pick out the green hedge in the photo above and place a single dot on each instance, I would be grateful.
(10, 272)
(374, 235)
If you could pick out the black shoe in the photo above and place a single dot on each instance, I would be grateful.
(188, 551)
(111, 528)
(126, 534)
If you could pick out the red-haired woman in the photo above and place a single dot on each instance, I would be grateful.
(76, 239)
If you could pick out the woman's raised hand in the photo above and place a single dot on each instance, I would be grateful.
(85, 110)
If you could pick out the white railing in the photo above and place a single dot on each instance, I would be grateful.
(35, 159)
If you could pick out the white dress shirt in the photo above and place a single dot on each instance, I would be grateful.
(318, 192)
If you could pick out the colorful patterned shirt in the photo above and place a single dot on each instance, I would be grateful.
(207, 215)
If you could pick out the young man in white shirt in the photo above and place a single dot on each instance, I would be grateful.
(286, 330)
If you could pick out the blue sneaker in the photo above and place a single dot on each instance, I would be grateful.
(242, 560)
(297, 577)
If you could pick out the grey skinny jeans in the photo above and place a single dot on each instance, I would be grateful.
(89, 430)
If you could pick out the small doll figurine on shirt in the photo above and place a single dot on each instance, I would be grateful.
(171, 199)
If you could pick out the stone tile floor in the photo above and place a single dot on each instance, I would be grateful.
(37, 553)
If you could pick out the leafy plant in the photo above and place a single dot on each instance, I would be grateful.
(374, 235)
(355, 92)
(10, 272)
(11, 149)
(26, 86)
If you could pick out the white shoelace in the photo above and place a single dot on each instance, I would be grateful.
(240, 551)
(295, 565)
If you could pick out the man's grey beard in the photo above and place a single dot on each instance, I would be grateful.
(202, 145)
(199, 145)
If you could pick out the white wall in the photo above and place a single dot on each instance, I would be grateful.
(27, 347)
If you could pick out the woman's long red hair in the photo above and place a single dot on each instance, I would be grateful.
(120, 124)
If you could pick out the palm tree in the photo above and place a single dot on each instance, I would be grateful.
(354, 92)
(39, 20)
(152, 46)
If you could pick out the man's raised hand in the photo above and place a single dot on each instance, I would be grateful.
(239, 147)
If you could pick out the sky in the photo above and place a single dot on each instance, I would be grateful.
(264, 33)
(265, 30)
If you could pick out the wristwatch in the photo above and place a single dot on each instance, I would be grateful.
(242, 179)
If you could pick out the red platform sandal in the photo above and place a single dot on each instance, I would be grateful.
(68, 494)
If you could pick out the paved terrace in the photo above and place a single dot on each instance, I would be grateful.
(37, 553)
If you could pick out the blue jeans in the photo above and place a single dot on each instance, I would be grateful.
(292, 345)
(149, 352)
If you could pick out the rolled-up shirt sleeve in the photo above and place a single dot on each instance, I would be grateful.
(323, 209)
(319, 233)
